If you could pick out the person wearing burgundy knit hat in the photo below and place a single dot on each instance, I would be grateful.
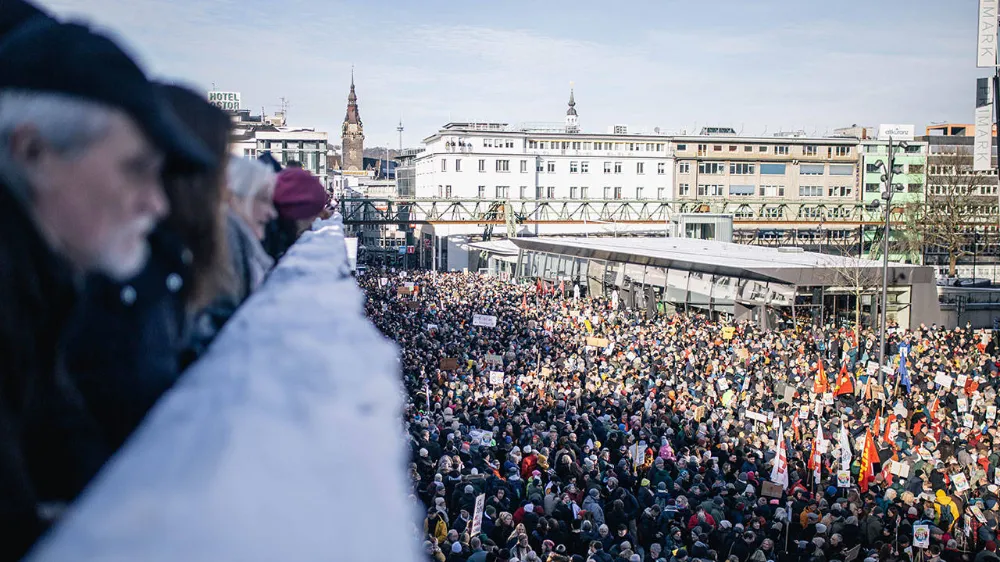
(300, 199)
(299, 196)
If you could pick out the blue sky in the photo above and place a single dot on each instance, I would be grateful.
(760, 65)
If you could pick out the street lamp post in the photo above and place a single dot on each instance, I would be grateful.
(887, 199)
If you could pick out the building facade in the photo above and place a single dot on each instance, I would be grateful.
(910, 176)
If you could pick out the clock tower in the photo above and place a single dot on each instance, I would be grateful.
(353, 135)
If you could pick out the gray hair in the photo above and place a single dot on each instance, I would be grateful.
(66, 123)
(246, 178)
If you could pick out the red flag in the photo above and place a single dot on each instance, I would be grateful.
(795, 427)
(524, 302)
(820, 384)
(934, 408)
(844, 384)
(562, 288)
(888, 427)
(877, 427)
(538, 287)
(868, 457)
(816, 458)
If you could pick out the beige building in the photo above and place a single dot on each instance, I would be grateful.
(782, 170)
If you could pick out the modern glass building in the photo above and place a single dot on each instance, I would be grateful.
(729, 281)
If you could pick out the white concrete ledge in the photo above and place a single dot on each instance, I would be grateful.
(282, 443)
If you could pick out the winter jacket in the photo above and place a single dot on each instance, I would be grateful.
(49, 445)
(593, 507)
(124, 349)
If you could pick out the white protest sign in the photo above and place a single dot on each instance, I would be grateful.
(383, 281)
(843, 479)
(477, 517)
(968, 420)
(871, 368)
(755, 417)
(496, 378)
(960, 380)
(963, 405)
(922, 536)
(991, 412)
(484, 320)
(960, 481)
(943, 379)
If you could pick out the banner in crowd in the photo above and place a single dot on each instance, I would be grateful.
(477, 517)
(484, 320)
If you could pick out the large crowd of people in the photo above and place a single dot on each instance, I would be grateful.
(546, 426)
(128, 237)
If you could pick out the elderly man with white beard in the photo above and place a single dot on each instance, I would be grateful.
(83, 137)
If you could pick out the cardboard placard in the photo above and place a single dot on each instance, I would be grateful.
(493, 359)
(943, 379)
(771, 490)
(484, 320)
(546, 371)
(403, 291)
(755, 417)
(871, 368)
(599, 343)
(699, 413)
(383, 281)
(922, 536)
(960, 481)
(991, 412)
(968, 421)
(477, 517)
(843, 478)
(960, 380)
(449, 364)
(496, 378)
(900, 469)
(803, 412)
(743, 354)
(727, 332)
(789, 396)
(978, 513)
(963, 405)
(412, 305)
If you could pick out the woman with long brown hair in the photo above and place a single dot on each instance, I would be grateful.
(128, 343)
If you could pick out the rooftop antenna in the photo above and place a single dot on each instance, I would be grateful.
(740, 134)
(399, 129)
(284, 111)
(765, 131)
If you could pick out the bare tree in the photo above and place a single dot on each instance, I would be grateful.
(956, 204)
(858, 276)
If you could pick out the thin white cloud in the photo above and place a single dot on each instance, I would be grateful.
(816, 76)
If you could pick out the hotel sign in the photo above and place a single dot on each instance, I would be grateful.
(230, 101)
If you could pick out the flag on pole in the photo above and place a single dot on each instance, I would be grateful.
(562, 288)
(844, 383)
(816, 458)
(820, 384)
(904, 375)
(524, 302)
(779, 473)
(845, 449)
(869, 456)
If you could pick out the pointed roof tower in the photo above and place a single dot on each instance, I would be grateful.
(572, 103)
(352, 116)
(572, 122)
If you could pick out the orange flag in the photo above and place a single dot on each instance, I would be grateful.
(820, 384)
(844, 383)
(868, 457)
(888, 427)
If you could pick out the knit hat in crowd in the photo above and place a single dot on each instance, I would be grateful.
(298, 194)
(456, 547)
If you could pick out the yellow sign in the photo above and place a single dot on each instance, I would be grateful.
(727, 333)
(590, 329)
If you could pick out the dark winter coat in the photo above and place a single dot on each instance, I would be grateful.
(49, 446)
(124, 350)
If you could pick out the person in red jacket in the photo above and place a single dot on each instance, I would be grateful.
(701, 517)
(529, 463)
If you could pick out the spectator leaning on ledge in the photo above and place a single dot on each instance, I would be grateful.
(83, 137)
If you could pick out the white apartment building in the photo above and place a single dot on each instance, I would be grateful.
(496, 162)
(305, 145)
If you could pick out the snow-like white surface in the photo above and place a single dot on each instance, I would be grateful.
(282, 443)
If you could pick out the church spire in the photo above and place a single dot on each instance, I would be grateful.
(572, 123)
(353, 116)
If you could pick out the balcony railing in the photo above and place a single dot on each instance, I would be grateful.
(282, 443)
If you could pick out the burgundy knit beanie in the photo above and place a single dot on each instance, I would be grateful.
(298, 194)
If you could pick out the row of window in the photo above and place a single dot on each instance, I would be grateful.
(719, 190)
(749, 169)
(898, 168)
(549, 192)
(684, 189)
(780, 150)
(575, 166)
(910, 188)
(598, 145)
